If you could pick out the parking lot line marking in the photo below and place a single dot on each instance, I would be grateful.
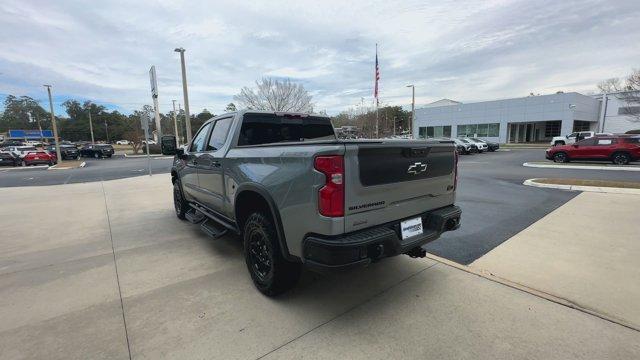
(583, 167)
(541, 294)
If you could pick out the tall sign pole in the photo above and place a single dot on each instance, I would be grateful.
(175, 123)
(144, 124)
(54, 125)
(154, 95)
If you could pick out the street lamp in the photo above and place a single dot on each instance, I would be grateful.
(54, 125)
(413, 109)
(185, 93)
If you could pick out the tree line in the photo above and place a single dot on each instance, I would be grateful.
(24, 112)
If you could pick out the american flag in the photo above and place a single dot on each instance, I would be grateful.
(375, 91)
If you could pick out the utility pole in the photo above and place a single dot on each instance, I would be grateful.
(187, 118)
(93, 141)
(413, 110)
(175, 123)
(106, 128)
(54, 125)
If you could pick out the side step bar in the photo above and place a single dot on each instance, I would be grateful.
(212, 229)
(217, 219)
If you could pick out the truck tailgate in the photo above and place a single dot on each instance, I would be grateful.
(392, 180)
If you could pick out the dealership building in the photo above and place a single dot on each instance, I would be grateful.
(528, 119)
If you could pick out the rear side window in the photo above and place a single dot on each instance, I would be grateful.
(258, 129)
(635, 140)
(606, 141)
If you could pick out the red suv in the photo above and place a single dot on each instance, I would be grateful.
(39, 157)
(618, 149)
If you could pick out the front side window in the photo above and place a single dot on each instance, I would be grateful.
(219, 134)
(198, 143)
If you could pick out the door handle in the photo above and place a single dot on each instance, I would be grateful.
(215, 163)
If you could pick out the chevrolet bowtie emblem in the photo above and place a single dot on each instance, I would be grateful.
(417, 168)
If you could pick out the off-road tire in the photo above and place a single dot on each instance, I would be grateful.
(271, 273)
(180, 205)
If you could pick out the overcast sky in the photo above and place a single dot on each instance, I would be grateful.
(462, 50)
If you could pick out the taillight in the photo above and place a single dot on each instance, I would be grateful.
(331, 195)
(455, 176)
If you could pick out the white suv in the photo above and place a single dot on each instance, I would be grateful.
(571, 138)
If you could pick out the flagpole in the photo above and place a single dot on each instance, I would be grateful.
(377, 105)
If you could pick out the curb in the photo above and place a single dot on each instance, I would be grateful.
(55, 167)
(538, 293)
(25, 167)
(609, 190)
(139, 156)
(584, 167)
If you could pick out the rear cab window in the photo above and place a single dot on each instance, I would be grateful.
(259, 129)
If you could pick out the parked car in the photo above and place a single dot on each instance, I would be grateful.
(97, 151)
(491, 146)
(618, 149)
(575, 136)
(38, 157)
(465, 147)
(123, 142)
(299, 196)
(7, 158)
(481, 146)
(11, 142)
(151, 142)
(20, 151)
(66, 151)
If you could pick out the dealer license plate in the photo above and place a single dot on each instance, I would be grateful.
(411, 227)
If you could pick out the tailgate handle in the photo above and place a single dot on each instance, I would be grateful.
(416, 152)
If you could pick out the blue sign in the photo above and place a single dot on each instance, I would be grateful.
(30, 134)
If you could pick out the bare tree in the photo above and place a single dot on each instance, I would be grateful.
(275, 95)
(610, 85)
(629, 92)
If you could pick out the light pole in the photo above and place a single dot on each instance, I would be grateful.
(413, 109)
(106, 129)
(187, 119)
(54, 125)
(175, 123)
(91, 125)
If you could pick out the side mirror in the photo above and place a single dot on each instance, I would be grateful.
(180, 152)
(168, 145)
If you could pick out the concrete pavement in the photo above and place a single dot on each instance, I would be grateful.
(586, 252)
(187, 296)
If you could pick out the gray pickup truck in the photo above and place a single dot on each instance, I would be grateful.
(299, 196)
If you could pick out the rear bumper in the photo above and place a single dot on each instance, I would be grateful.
(326, 253)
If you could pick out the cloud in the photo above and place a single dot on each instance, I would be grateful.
(463, 50)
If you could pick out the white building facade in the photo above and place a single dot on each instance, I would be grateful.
(520, 120)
